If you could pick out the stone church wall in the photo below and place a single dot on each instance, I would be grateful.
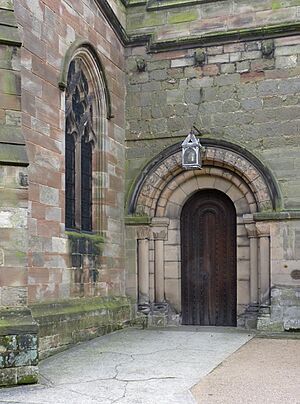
(48, 30)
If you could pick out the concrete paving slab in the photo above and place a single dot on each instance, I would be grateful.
(132, 366)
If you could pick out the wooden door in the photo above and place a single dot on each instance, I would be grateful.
(208, 260)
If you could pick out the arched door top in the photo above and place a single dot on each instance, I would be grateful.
(220, 154)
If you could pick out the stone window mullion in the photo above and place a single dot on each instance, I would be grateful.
(78, 184)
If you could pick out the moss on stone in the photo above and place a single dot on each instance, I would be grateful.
(13, 153)
(5, 341)
(9, 35)
(21, 256)
(184, 16)
(155, 5)
(97, 240)
(9, 83)
(28, 379)
(78, 305)
(153, 19)
(276, 5)
(137, 220)
(221, 37)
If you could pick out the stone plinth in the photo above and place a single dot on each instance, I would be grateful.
(18, 347)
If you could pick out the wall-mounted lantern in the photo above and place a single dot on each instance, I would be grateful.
(191, 152)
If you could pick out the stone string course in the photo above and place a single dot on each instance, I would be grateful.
(207, 18)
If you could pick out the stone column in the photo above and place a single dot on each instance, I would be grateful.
(252, 234)
(143, 235)
(263, 232)
(159, 226)
(159, 238)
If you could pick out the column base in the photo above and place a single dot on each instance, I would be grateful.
(159, 315)
(248, 319)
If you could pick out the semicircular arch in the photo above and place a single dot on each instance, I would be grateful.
(176, 193)
(229, 158)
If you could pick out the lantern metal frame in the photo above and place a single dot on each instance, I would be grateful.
(191, 152)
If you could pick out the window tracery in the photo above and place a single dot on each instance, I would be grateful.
(79, 143)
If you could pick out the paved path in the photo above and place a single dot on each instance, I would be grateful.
(265, 371)
(131, 367)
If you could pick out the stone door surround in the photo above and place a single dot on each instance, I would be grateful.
(161, 196)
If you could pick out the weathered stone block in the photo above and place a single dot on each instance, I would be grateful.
(27, 375)
(8, 377)
(224, 58)
(49, 195)
(242, 67)
(158, 75)
(182, 62)
(227, 79)
(251, 104)
(228, 68)
(192, 96)
(235, 57)
(174, 96)
(286, 62)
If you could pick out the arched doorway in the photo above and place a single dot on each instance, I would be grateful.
(160, 194)
(208, 260)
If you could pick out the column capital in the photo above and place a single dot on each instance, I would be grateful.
(251, 229)
(143, 233)
(160, 235)
(263, 229)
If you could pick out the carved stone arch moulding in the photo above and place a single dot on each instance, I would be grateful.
(220, 159)
(173, 197)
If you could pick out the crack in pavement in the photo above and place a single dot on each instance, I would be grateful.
(123, 396)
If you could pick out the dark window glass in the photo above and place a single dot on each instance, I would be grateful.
(70, 181)
(86, 184)
(80, 138)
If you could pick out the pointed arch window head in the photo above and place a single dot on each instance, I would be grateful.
(79, 103)
(80, 140)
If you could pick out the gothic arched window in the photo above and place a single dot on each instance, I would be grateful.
(79, 142)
